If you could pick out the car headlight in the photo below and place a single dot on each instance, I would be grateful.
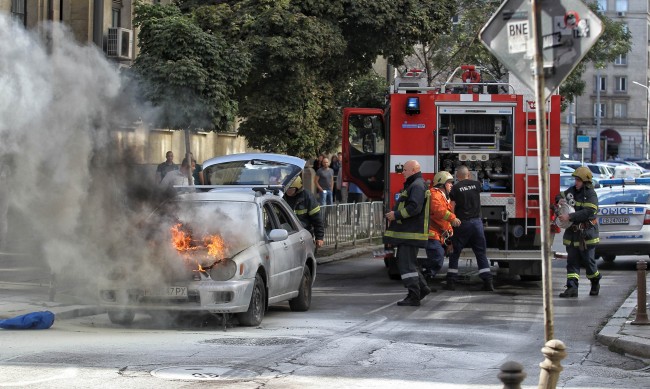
(223, 270)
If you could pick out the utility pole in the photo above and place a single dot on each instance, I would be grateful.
(645, 134)
(598, 115)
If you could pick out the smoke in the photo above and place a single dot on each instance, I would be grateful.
(79, 200)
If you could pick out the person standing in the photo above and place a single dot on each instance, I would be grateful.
(179, 177)
(165, 167)
(306, 208)
(324, 181)
(466, 203)
(582, 237)
(408, 231)
(441, 221)
(336, 167)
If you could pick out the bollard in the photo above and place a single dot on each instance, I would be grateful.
(641, 310)
(554, 352)
(512, 375)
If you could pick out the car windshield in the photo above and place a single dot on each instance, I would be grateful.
(251, 172)
(215, 227)
(629, 196)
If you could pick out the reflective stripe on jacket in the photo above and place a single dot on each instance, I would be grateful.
(411, 224)
(585, 203)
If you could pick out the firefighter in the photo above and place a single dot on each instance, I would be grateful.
(466, 203)
(307, 209)
(581, 237)
(441, 220)
(408, 230)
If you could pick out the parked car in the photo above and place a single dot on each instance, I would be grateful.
(566, 169)
(233, 249)
(624, 219)
(567, 180)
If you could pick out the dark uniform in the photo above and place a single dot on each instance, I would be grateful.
(307, 210)
(467, 196)
(410, 231)
(581, 238)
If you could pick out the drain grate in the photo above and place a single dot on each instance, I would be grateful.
(203, 373)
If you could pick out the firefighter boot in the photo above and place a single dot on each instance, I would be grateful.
(488, 286)
(450, 285)
(571, 289)
(595, 286)
(413, 297)
(424, 291)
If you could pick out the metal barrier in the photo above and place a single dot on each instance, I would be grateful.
(352, 222)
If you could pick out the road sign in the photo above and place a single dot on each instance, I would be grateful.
(583, 141)
(569, 29)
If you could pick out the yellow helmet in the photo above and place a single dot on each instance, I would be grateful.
(297, 183)
(583, 173)
(442, 177)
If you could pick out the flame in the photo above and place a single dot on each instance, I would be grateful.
(183, 243)
(181, 240)
(216, 246)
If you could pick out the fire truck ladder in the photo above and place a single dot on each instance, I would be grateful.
(532, 190)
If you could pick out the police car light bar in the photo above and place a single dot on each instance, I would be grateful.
(625, 181)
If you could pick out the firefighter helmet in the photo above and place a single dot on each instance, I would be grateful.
(296, 183)
(442, 178)
(583, 173)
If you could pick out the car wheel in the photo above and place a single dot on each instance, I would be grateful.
(609, 258)
(122, 317)
(256, 308)
(302, 302)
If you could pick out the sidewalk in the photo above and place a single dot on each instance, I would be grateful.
(18, 298)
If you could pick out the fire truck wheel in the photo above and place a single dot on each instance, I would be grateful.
(609, 258)
(122, 317)
(302, 302)
(257, 306)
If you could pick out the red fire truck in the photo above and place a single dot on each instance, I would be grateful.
(486, 126)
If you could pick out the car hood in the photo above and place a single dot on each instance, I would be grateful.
(252, 170)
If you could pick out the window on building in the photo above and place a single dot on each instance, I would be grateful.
(620, 110)
(621, 60)
(116, 17)
(621, 83)
(18, 10)
(600, 82)
(602, 5)
(621, 5)
(602, 110)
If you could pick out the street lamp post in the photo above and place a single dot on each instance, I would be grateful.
(647, 127)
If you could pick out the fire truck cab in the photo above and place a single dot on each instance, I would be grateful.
(486, 126)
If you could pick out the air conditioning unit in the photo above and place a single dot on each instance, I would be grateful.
(119, 43)
(620, 13)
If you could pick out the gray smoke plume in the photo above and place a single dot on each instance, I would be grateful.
(77, 204)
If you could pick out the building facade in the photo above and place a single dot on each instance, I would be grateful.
(613, 104)
(108, 24)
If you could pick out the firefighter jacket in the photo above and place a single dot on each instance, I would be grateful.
(307, 209)
(411, 224)
(584, 231)
(440, 216)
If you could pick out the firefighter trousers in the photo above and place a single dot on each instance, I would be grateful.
(435, 257)
(407, 264)
(586, 258)
(470, 233)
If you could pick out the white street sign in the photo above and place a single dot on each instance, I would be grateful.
(569, 30)
(583, 141)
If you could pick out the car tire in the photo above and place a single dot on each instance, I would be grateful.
(122, 317)
(609, 258)
(257, 306)
(302, 302)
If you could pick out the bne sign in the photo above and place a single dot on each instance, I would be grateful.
(518, 36)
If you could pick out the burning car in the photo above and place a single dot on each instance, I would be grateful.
(234, 249)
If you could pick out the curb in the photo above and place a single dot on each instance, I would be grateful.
(612, 335)
(348, 254)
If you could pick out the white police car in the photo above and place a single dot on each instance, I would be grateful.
(623, 218)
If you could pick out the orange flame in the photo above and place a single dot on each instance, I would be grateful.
(182, 242)
(216, 246)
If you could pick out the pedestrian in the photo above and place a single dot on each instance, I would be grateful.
(408, 231)
(465, 196)
(581, 237)
(306, 208)
(197, 171)
(180, 177)
(324, 181)
(318, 162)
(441, 221)
(165, 167)
(335, 164)
(355, 195)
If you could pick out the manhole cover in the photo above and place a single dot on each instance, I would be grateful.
(276, 341)
(203, 373)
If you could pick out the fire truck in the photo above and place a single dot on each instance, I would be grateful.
(486, 126)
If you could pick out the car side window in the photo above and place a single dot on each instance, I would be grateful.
(268, 222)
(283, 218)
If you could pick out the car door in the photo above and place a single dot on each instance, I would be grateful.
(295, 243)
(285, 262)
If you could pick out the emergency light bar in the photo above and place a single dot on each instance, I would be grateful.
(625, 181)
(413, 105)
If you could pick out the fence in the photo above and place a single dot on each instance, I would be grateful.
(352, 223)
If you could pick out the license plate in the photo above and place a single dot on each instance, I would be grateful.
(170, 291)
(614, 220)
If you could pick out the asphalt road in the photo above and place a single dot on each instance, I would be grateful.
(354, 336)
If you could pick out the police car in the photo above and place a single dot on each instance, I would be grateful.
(623, 218)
